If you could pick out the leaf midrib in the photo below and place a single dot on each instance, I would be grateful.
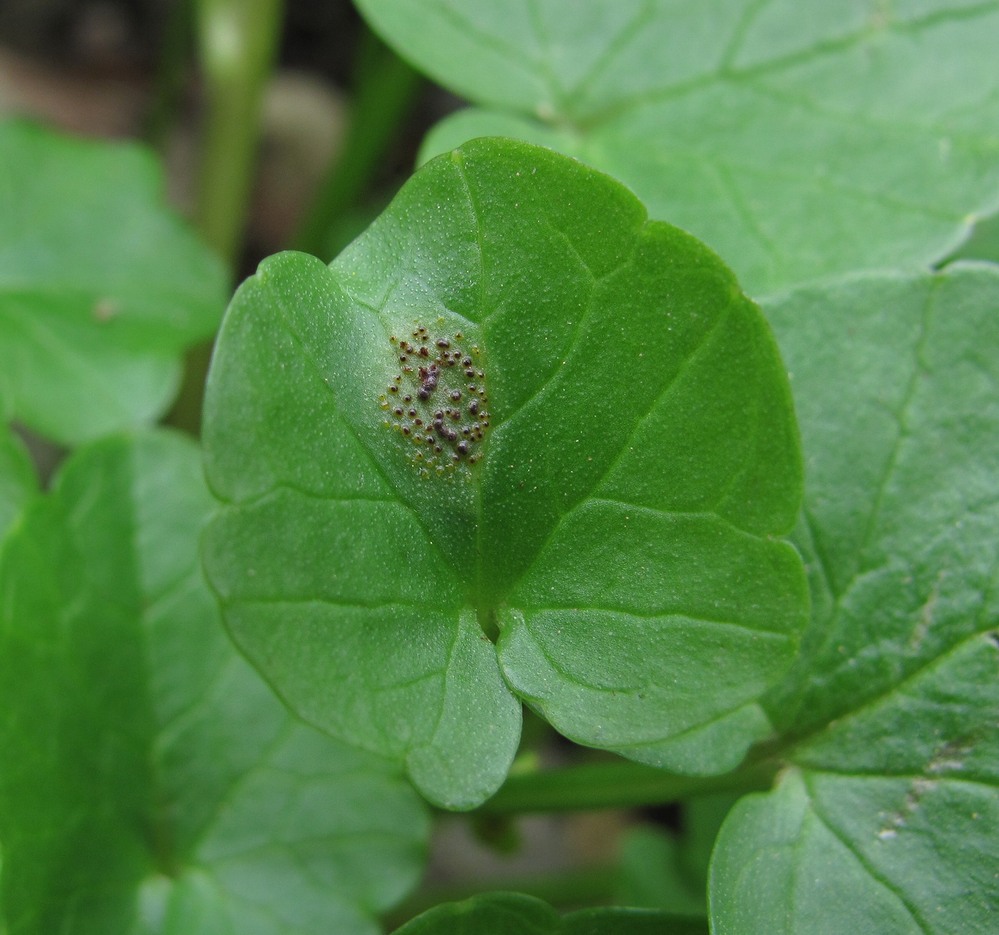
(585, 496)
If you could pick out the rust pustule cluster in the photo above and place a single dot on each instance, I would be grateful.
(437, 401)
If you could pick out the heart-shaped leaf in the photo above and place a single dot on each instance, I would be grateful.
(101, 288)
(796, 139)
(890, 713)
(512, 405)
(150, 783)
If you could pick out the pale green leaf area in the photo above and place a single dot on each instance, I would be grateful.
(796, 139)
(17, 479)
(517, 914)
(151, 783)
(983, 244)
(659, 869)
(101, 287)
(599, 468)
(889, 715)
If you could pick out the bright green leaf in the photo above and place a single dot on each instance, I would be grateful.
(516, 914)
(17, 479)
(742, 122)
(151, 783)
(101, 288)
(630, 458)
(890, 713)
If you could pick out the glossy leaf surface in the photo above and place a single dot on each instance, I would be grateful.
(890, 713)
(150, 782)
(740, 121)
(101, 287)
(490, 414)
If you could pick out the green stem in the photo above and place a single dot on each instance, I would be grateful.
(171, 73)
(617, 784)
(237, 40)
(384, 89)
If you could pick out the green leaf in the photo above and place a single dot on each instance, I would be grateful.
(702, 820)
(742, 122)
(889, 715)
(669, 871)
(983, 244)
(101, 288)
(652, 874)
(516, 914)
(17, 479)
(151, 783)
(631, 458)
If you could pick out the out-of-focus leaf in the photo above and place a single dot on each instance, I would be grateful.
(516, 914)
(101, 287)
(17, 479)
(150, 783)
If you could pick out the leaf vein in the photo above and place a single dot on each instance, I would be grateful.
(874, 873)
